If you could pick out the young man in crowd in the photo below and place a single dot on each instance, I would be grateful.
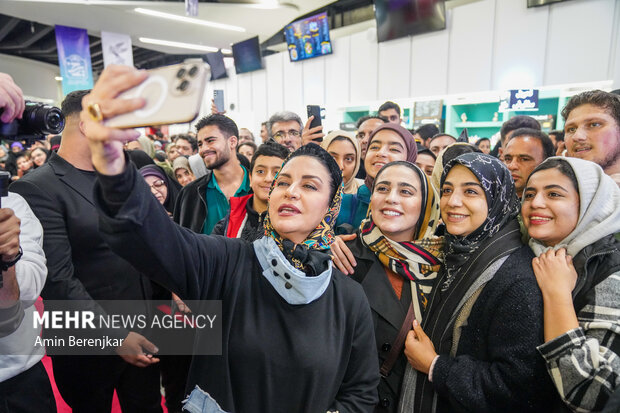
(592, 129)
(524, 151)
(425, 133)
(391, 111)
(186, 144)
(245, 219)
(203, 202)
(426, 161)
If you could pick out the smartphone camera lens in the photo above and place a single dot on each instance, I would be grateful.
(181, 73)
(193, 71)
(183, 86)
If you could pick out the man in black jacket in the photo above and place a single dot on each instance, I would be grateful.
(202, 203)
(81, 266)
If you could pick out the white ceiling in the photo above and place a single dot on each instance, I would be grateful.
(261, 19)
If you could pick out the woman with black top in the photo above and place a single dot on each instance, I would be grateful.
(297, 334)
(397, 262)
(475, 350)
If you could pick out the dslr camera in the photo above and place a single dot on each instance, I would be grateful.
(37, 121)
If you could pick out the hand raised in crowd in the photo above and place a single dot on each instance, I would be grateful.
(419, 349)
(137, 350)
(11, 99)
(312, 134)
(555, 274)
(341, 254)
(214, 108)
(9, 234)
(106, 144)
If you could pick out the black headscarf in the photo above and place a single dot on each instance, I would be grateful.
(173, 186)
(467, 257)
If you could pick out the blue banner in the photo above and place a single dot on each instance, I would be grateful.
(74, 59)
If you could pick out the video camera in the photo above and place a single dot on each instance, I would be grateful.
(37, 121)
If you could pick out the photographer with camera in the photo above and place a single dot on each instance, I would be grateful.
(24, 385)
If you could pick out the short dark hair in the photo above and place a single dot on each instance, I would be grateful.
(518, 122)
(479, 141)
(389, 105)
(427, 131)
(545, 142)
(226, 125)
(189, 138)
(426, 151)
(559, 135)
(247, 143)
(608, 101)
(439, 135)
(269, 148)
(561, 165)
(368, 117)
(72, 104)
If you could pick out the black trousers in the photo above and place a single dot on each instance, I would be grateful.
(87, 384)
(29, 391)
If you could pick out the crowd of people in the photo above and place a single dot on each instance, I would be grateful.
(380, 270)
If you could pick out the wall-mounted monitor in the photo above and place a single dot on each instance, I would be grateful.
(247, 55)
(400, 18)
(216, 62)
(538, 3)
(308, 37)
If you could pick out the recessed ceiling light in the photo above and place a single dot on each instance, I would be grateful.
(190, 20)
(180, 45)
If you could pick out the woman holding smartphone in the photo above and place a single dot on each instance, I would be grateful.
(297, 334)
(571, 210)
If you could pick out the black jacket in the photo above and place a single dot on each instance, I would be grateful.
(388, 315)
(81, 265)
(190, 210)
(252, 221)
(275, 357)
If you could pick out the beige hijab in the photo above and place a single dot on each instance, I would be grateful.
(351, 186)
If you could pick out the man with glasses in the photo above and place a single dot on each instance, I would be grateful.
(285, 128)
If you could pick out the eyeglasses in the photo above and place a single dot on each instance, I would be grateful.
(158, 184)
(292, 133)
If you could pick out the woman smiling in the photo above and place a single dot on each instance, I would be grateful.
(571, 210)
(484, 318)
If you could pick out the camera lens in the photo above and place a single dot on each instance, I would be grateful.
(193, 71)
(183, 86)
(181, 73)
(41, 119)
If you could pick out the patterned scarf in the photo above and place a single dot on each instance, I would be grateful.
(311, 255)
(418, 260)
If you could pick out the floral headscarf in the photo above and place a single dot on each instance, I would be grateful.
(302, 256)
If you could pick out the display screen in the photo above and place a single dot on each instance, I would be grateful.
(247, 55)
(400, 18)
(216, 62)
(308, 38)
(537, 3)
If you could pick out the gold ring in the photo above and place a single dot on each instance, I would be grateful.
(94, 110)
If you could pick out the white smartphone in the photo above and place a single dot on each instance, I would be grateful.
(173, 94)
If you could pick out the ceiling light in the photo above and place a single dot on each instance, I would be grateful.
(189, 20)
(58, 78)
(226, 51)
(179, 44)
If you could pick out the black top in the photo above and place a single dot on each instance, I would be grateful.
(276, 357)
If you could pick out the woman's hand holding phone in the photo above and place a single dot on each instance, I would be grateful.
(106, 143)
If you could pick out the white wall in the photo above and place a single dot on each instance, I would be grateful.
(36, 79)
(487, 45)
